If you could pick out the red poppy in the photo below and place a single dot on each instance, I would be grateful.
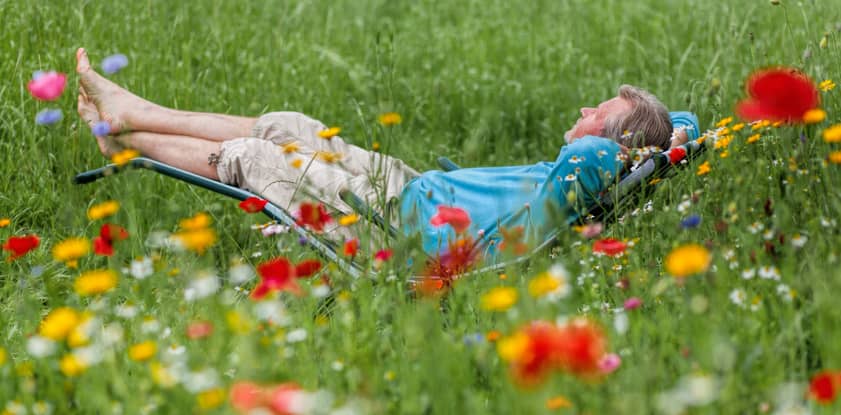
(609, 246)
(676, 155)
(285, 399)
(351, 247)
(199, 330)
(313, 215)
(383, 255)
(102, 246)
(253, 204)
(307, 268)
(581, 348)
(20, 245)
(458, 259)
(275, 275)
(778, 94)
(825, 386)
(455, 217)
(246, 396)
(512, 240)
(538, 358)
(108, 234)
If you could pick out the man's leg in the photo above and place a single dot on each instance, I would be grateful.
(187, 153)
(126, 111)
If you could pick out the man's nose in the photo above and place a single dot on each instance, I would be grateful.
(585, 111)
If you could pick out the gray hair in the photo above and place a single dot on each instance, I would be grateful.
(647, 123)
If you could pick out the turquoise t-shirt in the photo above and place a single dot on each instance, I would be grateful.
(539, 197)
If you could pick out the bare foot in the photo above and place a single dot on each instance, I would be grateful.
(114, 103)
(87, 110)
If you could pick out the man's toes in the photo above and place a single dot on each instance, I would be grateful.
(82, 61)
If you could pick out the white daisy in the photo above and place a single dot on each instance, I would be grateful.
(769, 273)
(749, 273)
(798, 240)
(738, 297)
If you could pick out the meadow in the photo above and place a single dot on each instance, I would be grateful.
(485, 83)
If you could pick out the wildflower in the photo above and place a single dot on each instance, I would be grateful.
(39, 346)
(676, 155)
(512, 240)
(348, 220)
(122, 157)
(687, 260)
(738, 127)
(314, 216)
(114, 63)
(632, 303)
(832, 134)
(780, 94)
(95, 282)
(203, 285)
(558, 402)
(459, 257)
(279, 275)
(738, 296)
(458, 218)
(59, 323)
(101, 129)
(749, 273)
(103, 210)
(834, 157)
(499, 299)
(197, 240)
(690, 222)
(798, 240)
(383, 255)
(253, 204)
(826, 85)
(48, 116)
(351, 247)
(814, 116)
(274, 229)
(141, 268)
(590, 230)
(70, 250)
(704, 168)
(70, 366)
(18, 246)
(724, 122)
(824, 386)
(554, 283)
(752, 139)
(210, 398)
(246, 396)
(609, 363)
(329, 133)
(4, 222)
(769, 273)
(2, 356)
(141, 352)
(47, 86)
(390, 118)
(108, 234)
(609, 246)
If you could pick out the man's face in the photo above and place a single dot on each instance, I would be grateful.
(592, 120)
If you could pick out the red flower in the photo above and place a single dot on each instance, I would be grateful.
(539, 356)
(455, 217)
(458, 258)
(253, 204)
(108, 234)
(313, 215)
(102, 246)
(383, 255)
(279, 275)
(284, 399)
(20, 245)
(246, 396)
(676, 155)
(351, 247)
(199, 330)
(581, 347)
(609, 246)
(825, 386)
(778, 94)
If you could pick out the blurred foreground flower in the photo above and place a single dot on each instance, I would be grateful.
(48, 117)
(59, 323)
(832, 134)
(280, 275)
(499, 299)
(20, 245)
(120, 158)
(313, 215)
(390, 118)
(114, 63)
(687, 260)
(70, 250)
(47, 86)
(142, 351)
(778, 94)
(108, 234)
(281, 399)
(95, 282)
(253, 204)
(826, 85)
(453, 216)
(103, 210)
(609, 246)
(825, 386)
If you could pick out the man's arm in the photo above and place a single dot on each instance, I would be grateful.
(685, 127)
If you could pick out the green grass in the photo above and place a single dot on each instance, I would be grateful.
(486, 83)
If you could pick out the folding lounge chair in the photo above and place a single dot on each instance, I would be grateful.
(630, 188)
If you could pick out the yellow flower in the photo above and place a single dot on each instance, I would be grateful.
(654, 181)
(59, 323)
(200, 220)
(760, 124)
(329, 133)
(348, 220)
(824, 42)
(123, 157)
(297, 163)
(754, 138)
(814, 116)
(2, 356)
(4, 222)
(197, 240)
(724, 122)
(738, 126)
(558, 402)
(71, 249)
(832, 134)
(237, 323)
(375, 146)
(544, 284)
(390, 118)
(142, 351)
(79, 336)
(499, 299)
(826, 85)
(688, 259)
(290, 147)
(329, 157)
(704, 168)
(162, 376)
(835, 157)
(512, 347)
(777, 124)
(103, 210)
(723, 142)
(724, 154)
(211, 398)
(95, 282)
(71, 366)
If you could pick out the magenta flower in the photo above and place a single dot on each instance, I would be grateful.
(632, 303)
(609, 363)
(47, 86)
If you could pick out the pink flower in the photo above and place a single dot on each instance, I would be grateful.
(455, 217)
(288, 399)
(383, 255)
(591, 230)
(609, 363)
(632, 303)
(47, 86)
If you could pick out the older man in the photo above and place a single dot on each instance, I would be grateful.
(288, 157)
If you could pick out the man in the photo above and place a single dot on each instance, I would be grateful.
(288, 157)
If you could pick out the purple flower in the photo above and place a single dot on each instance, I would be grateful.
(48, 117)
(37, 74)
(632, 303)
(302, 240)
(692, 221)
(114, 63)
(101, 129)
